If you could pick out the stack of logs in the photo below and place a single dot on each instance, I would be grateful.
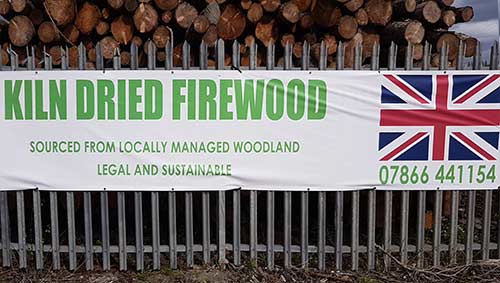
(118, 23)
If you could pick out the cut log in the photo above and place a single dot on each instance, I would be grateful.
(71, 33)
(370, 38)
(161, 37)
(185, 15)
(62, 11)
(266, 31)
(470, 44)
(145, 18)
(105, 13)
(401, 8)
(102, 28)
(87, 18)
(287, 38)
(428, 11)
(18, 5)
(362, 17)
(379, 11)
(290, 12)
(130, 5)
(125, 57)
(418, 52)
(201, 24)
(4, 8)
(122, 29)
(448, 19)
(116, 4)
(5, 57)
(92, 55)
(21, 30)
(353, 5)
(330, 43)
(56, 54)
(439, 38)
(306, 21)
(326, 13)
(210, 36)
(245, 4)
(137, 41)
(47, 32)
(348, 27)
(167, 5)
(108, 47)
(73, 57)
(270, 5)
(212, 12)
(166, 17)
(255, 13)
(402, 33)
(464, 14)
(303, 5)
(298, 49)
(350, 49)
(232, 23)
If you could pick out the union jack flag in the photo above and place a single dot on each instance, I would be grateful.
(439, 117)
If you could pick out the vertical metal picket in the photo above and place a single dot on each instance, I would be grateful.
(206, 226)
(372, 194)
(388, 195)
(485, 245)
(436, 243)
(469, 243)
(270, 194)
(70, 211)
(21, 229)
(236, 57)
(339, 228)
(4, 221)
(322, 195)
(372, 202)
(155, 197)
(421, 229)
(139, 236)
(120, 196)
(221, 219)
(87, 217)
(454, 227)
(287, 229)
(122, 230)
(106, 257)
(253, 194)
(54, 231)
(304, 229)
(37, 219)
(355, 231)
(172, 229)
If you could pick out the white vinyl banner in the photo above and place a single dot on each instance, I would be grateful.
(276, 130)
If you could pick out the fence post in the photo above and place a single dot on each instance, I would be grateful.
(4, 214)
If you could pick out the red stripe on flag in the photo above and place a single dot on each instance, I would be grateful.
(406, 89)
(403, 146)
(477, 89)
(472, 144)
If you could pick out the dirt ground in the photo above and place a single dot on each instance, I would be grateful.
(483, 271)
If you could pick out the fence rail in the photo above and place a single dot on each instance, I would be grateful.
(325, 230)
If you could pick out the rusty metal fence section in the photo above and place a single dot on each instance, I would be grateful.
(360, 230)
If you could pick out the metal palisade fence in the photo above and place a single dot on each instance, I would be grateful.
(326, 230)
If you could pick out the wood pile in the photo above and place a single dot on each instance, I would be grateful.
(119, 23)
